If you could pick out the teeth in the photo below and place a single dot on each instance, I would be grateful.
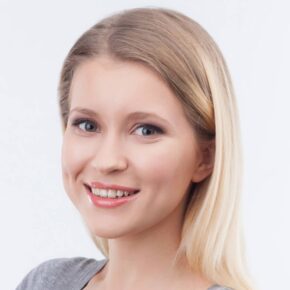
(110, 193)
(103, 193)
(119, 193)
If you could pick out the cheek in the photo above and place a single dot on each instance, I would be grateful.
(66, 163)
(166, 163)
(74, 155)
(73, 158)
(164, 172)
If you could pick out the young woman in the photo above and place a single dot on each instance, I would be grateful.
(151, 158)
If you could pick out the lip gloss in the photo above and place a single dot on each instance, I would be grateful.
(106, 202)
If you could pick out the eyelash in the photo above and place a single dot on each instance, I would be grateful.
(77, 122)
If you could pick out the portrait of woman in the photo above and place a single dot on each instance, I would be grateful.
(151, 158)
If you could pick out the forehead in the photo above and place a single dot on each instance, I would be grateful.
(119, 86)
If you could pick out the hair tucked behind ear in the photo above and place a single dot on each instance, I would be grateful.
(189, 61)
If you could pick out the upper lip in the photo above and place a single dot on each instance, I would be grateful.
(100, 185)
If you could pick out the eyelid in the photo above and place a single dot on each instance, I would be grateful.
(77, 121)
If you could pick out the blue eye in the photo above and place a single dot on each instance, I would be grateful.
(148, 130)
(85, 125)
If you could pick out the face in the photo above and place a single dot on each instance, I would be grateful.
(127, 128)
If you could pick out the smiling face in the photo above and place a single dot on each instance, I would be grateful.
(127, 128)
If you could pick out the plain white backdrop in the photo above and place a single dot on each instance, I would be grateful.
(37, 220)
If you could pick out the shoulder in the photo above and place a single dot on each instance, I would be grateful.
(59, 273)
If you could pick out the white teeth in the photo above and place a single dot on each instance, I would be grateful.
(112, 193)
(119, 193)
(103, 193)
(109, 193)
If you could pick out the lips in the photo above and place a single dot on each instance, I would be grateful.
(100, 185)
(109, 202)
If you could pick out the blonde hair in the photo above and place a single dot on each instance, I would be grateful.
(190, 62)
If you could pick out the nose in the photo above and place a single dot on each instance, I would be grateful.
(109, 156)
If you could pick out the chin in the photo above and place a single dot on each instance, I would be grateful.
(108, 231)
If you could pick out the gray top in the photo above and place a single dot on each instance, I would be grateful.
(67, 273)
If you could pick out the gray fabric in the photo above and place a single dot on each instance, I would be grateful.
(217, 287)
(66, 273)
(61, 274)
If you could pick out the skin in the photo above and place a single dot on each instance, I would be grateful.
(144, 234)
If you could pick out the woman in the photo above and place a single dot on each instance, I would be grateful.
(150, 158)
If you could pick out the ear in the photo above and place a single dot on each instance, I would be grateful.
(205, 161)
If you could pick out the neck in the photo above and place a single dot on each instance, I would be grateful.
(143, 260)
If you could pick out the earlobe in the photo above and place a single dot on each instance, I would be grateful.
(206, 162)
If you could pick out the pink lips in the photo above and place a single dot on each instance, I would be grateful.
(95, 184)
(106, 202)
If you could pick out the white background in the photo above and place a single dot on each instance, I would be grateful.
(38, 221)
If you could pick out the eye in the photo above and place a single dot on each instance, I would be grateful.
(148, 129)
(85, 125)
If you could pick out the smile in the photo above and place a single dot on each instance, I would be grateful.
(110, 190)
(110, 198)
(111, 193)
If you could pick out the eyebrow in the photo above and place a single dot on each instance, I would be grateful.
(131, 116)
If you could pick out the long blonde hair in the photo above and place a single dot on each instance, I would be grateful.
(190, 62)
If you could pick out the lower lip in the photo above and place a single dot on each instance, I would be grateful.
(106, 202)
